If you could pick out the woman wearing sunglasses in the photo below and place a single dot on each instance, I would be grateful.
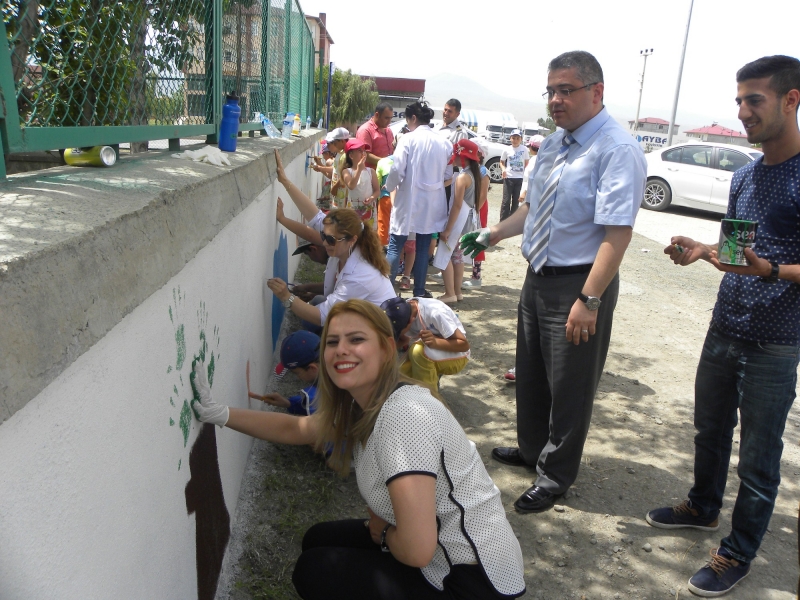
(436, 527)
(358, 268)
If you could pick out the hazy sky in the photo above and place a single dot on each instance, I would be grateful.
(506, 45)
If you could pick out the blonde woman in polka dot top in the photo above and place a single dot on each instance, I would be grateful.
(436, 528)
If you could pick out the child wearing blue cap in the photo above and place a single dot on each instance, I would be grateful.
(299, 354)
(436, 339)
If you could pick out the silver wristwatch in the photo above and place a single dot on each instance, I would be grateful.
(591, 302)
(288, 302)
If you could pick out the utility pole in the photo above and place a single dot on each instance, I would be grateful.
(645, 53)
(680, 73)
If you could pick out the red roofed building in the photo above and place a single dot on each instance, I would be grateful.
(718, 133)
(653, 124)
(398, 91)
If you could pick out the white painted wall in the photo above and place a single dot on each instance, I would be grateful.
(91, 491)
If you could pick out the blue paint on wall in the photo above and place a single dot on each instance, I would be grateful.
(280, 268)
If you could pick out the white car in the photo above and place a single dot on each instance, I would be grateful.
(694, 174)
(491, 162)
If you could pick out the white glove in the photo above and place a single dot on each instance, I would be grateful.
(209, 154)
(205, 409)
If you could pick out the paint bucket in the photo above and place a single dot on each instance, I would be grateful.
(734, 236)
(97, 156)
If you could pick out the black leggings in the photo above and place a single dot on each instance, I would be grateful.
(340, 561)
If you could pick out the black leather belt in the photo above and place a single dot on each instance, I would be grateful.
(571, 270)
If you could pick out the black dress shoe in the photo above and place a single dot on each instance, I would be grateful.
(509, 456)
(536, 499)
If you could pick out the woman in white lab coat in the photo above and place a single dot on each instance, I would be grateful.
(420, 204)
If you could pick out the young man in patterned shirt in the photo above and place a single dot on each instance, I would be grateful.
(750, 356)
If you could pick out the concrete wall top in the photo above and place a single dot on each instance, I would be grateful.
(80, 248)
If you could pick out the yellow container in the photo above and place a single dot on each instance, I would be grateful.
(97, 156)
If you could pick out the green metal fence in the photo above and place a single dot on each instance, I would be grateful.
(81, 73)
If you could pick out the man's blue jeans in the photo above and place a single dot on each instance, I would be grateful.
(759, 380)
(420, 269)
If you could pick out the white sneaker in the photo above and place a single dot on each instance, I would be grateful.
(435, 275)
(471, 283)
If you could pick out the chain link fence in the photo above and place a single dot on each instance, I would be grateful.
(148, 69)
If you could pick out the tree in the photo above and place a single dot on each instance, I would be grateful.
(353, 98)
(547, 123)
(96, 59)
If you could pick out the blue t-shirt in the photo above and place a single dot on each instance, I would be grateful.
(748, 308)
(303, 403)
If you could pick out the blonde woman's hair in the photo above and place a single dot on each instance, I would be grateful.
(349, 224)
(343, 423)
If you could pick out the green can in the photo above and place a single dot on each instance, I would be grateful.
(96, 156)
(734, 236)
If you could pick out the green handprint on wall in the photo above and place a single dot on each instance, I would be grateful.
(207, 345)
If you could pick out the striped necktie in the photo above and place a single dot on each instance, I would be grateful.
(541, 223)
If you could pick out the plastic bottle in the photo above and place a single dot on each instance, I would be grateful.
(286, 130)
(308, 122)
(229, 128)
(296, 125)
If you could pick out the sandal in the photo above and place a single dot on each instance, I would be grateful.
(405, 283)
(448, 299)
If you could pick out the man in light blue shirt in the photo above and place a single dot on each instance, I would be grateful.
(577, 221)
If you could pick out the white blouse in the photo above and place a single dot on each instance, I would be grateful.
(416, 434)
(357, 280)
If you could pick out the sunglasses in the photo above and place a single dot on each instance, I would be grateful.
(332, 241)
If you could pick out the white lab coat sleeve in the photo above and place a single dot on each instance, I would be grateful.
(448, 167)
(397, 173)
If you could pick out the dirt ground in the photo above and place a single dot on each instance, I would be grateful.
(595, 543)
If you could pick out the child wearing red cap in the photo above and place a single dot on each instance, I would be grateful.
(361, 181)
(465, 155)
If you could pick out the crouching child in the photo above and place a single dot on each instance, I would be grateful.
(436, 340)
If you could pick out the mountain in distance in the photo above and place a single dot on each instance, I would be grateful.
(473, 96)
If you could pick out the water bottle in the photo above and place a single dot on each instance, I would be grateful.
(286, 130)
(296, 125)
(229, 128)
(308, 122)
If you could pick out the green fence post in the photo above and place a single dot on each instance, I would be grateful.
(218, 91)
(287, 55)
(213, 57)
(309, 78)
(266, 29)
(10, 132)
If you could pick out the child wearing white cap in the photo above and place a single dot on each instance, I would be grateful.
(513, 162)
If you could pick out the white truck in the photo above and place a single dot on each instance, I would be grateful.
(529, 129)
(494, 132)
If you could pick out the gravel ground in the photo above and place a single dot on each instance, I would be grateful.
(595, 543)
